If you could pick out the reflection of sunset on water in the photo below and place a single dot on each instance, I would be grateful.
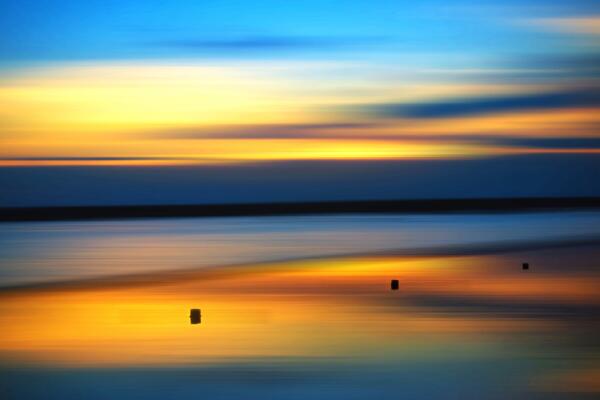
(447, 308)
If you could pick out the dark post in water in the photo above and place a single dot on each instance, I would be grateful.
(195, 316)
(395, 284)
(525, 266)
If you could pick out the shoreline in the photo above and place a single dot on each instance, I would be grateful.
(431, 206)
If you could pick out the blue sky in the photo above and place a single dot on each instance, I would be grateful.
(59, 30)
(229, 84)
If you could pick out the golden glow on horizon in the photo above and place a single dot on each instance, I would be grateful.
(210, 151)
(134, 114)
(306, 151)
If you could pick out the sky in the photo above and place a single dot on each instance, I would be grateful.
(144, 102)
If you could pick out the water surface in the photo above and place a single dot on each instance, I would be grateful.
(301, 307)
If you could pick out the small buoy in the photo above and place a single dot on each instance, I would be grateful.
(195, 316)
(525, 266)
(395, 284)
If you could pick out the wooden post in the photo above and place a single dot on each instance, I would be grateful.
(195, 316)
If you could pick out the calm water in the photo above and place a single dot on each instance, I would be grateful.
(301, 307)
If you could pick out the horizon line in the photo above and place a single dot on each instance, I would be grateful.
(430, 206)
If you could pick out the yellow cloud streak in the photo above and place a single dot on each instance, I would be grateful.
(239, 150)
(553, 123)
(99, 101)
(106, 114)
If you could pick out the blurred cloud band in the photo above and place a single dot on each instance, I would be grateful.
(491, 105)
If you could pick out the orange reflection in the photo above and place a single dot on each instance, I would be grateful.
(324, 308)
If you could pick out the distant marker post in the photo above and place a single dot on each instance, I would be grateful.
(195, 316)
